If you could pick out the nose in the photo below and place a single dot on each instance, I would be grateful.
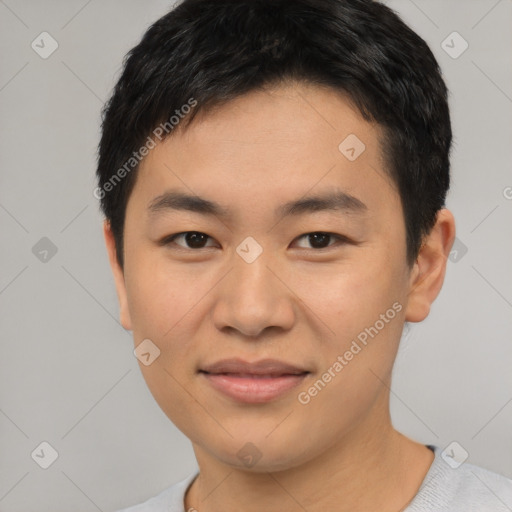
(253, 298)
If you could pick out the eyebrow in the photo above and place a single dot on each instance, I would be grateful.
(335, 200)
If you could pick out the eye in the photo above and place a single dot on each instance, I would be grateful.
(321, 239)
(190, 240)
(197, 240)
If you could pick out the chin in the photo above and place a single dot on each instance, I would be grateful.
(260, 456)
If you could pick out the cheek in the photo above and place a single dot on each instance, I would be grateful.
(168, 305)
(163, 307)
(349, 297)
(363, 308)
(159, 297)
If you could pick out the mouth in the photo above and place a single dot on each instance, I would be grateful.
(257, 382)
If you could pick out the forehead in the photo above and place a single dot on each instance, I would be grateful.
(276, 144)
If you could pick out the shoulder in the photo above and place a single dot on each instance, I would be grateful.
(169, 500)
(464, 488)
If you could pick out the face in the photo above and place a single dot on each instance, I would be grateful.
(291, 247)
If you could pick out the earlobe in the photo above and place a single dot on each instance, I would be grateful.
(117, 271)
(427, 275)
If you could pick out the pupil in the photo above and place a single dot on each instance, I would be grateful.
(319, 240)
(195, 240)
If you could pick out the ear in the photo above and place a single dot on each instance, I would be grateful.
(427, 274)
(118, 273)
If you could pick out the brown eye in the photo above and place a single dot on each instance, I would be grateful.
(192, 240)
(319, 240)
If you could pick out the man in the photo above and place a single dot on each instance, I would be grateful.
(273, 176)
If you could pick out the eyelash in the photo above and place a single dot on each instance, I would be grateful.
(340, 238)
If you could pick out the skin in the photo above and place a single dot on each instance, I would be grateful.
(295, 302)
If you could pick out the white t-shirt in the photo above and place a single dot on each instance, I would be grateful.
(466, 488)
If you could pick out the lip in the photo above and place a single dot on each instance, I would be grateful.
(256, 382)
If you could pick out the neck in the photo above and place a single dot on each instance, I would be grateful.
(373, 467)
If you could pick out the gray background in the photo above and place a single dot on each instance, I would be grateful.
(67, 373)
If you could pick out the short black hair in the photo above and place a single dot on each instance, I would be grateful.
(204, 53)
